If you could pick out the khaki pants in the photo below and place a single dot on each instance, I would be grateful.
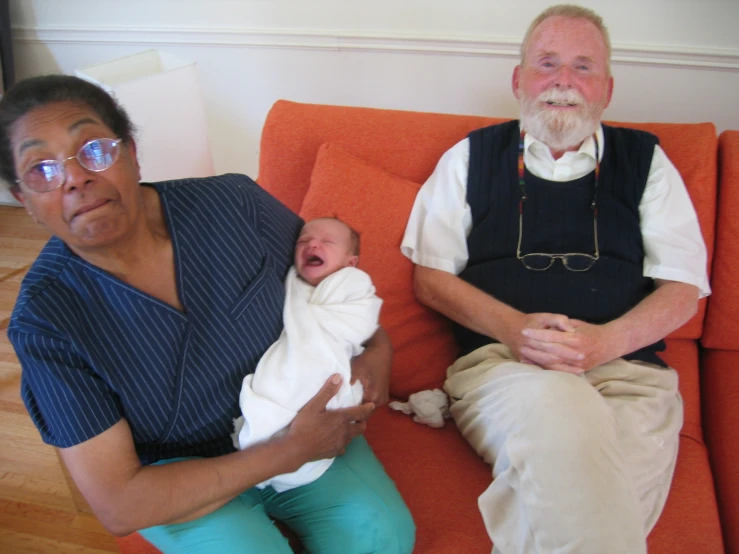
(581, 464)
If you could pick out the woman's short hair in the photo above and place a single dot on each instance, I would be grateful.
(37, 92)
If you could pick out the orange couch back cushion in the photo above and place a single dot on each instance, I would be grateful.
(722, 319)
(377, 205)
(409, 144)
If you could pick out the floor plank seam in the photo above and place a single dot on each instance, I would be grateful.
(14, 273)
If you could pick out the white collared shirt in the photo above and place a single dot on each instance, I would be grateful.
(441, 219)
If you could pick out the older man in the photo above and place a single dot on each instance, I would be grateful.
(565, 250)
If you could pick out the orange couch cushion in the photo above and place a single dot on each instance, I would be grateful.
(690, 521)
(722, 320)
(692, 148)
(440, 477)
(720, 392)
(682, 355)
(377, 205)
(407, 144)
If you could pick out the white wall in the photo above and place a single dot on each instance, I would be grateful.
(674, 60)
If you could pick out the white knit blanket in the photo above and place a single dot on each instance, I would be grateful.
(324, 327)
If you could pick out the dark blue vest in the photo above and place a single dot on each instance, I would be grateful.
(557, 218)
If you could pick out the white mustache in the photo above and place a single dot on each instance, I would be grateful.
(569, 96)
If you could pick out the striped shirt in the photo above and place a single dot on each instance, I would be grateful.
(94, 349)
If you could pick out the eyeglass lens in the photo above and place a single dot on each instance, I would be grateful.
(98, 155)
(95, 155)
(578, 262)
(573, 262)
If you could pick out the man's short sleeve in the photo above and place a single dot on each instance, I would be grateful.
(674, 249)
(436, 234)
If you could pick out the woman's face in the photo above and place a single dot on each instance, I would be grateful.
(91, 209)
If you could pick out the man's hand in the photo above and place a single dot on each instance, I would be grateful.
(536, 352)
(656, 316)
(582, 347)
(372, 368)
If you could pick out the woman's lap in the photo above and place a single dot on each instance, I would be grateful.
(353, 507)
(240, 526)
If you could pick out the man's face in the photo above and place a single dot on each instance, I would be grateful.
(564, 85)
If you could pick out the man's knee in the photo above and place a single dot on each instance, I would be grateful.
(564, 412)
(561, 395)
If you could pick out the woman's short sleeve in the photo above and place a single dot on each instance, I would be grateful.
(66, 401)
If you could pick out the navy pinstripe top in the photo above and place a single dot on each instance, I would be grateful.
(94, 349)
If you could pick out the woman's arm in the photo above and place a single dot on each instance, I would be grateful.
(127, 496)
(372, 368)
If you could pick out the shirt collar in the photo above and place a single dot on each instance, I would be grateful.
(587, 147)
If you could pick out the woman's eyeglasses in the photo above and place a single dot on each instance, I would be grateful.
(95, 155)
(573, 261)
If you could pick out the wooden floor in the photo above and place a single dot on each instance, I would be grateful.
(37, 508)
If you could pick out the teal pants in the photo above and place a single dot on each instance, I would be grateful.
(353, 508)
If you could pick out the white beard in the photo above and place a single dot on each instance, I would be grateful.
(560, 129)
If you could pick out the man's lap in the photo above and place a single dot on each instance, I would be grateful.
(490, 380)
(631, 409)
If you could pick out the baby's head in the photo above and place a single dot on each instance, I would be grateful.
(324, 246)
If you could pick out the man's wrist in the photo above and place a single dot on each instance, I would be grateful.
(506, 326)
(617, 336)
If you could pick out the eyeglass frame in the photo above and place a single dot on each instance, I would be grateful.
(62, 164)
(593, 206)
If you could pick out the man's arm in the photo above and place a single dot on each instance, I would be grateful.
(675, 256)
(554, 341)
(127, 496)
(372, 368)
(480, 312)
(667, 308)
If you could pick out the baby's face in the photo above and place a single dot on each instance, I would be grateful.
(324, 246)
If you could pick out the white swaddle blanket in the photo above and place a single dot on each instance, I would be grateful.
(324, 327)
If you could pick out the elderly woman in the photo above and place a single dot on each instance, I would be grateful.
(136, 325)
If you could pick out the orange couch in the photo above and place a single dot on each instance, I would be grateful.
(365, 166)
(720, 357)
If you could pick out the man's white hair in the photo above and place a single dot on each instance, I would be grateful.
(574, 12)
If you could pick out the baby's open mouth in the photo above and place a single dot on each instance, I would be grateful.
(313, 261)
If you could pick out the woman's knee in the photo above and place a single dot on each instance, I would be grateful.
(399, 530)
(374, 528)
(354, 507)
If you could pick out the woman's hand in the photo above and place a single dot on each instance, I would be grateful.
(372, 368)
(318, 433)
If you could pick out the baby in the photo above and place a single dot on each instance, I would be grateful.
(330, 310)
